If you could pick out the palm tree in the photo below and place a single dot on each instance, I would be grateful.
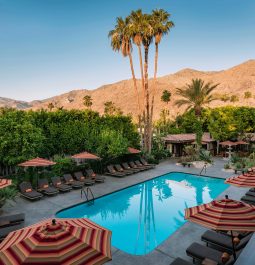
(147, 38)
(161, 26)
(166, 96)
(137, 22)
(121, 41)
(87, 101)
(195, 96)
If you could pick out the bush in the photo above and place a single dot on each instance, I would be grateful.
(227, 166)
(7, 193)
(205, 156)
(63, 165)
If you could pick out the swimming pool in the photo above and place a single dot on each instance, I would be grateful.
(143, 216)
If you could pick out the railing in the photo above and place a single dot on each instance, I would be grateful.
(203, 169)
(86, 193)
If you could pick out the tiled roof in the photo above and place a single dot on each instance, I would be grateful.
(187, 138)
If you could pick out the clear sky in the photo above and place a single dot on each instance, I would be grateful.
(48, 47)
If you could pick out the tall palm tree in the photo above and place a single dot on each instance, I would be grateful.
(147, 38)
(161, 26)
(121, 41)
(195, 96)
(137, 22)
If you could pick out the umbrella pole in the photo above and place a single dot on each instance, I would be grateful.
(233, 245)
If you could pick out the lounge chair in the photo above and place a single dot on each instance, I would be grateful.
(113, 172)
(74, 183)
(140, 165)
(4, 231)
(133, 165)
(201, 252)
(248, 199)
(9, 220)
(120, 169)
(44, 187)
(127, 167)
(28, 192)
(87, 181)
(224, 242)
(91, 174)
(180, 261)
(56, 181)
(145, 163)
(250, 193)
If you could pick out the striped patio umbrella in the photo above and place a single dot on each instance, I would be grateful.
(86, 155)
(37, 162)
(246, 180)
(225, 214)
(5, 183)
(132, 150)
(58, 242)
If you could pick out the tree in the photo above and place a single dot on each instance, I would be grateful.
(121, 37)
(234, 98)
(166, 96)
(111, 109)
(161, 26)
(195, 96)
(87, 101)
(51, 106)
(247, 94)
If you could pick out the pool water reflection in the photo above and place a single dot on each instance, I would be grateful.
(143, 216)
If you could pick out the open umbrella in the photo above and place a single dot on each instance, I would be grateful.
(5, 183)
(86, 155)
(58, 242)
(246, 180)
(37, 162)
(132, 150)
(225, 214)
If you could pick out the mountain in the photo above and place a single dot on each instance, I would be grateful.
(11, 103)
(234, 81)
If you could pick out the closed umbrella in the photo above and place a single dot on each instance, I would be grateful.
(225, 214)
(58, 242)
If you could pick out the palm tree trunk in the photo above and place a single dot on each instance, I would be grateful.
(143, 90)
(153, 91)
(134, 81)
(147, 101)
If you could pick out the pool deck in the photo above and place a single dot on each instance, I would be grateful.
(167, 251)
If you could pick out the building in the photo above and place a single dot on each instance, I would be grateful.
(175, 143)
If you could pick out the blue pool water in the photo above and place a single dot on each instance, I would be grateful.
(142, 216)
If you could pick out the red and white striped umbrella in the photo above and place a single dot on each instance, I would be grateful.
(37, 162)
(5, 183)
(225, 214)
(246, 180)
(58, 242)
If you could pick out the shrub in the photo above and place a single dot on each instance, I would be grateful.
(7, 193)
(63, 165)
(227, 166)
(205, 156)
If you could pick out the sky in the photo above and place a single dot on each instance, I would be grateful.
(49, 47)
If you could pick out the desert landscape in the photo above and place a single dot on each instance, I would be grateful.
(235, 81)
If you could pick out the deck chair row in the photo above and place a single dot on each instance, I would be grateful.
(128, 168)
(68, 182)
(218, 248)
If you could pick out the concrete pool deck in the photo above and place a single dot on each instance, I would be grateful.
(173, 247)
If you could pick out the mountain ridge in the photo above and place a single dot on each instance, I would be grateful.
(232, 81)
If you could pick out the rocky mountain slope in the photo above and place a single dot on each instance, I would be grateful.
(234, 81)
